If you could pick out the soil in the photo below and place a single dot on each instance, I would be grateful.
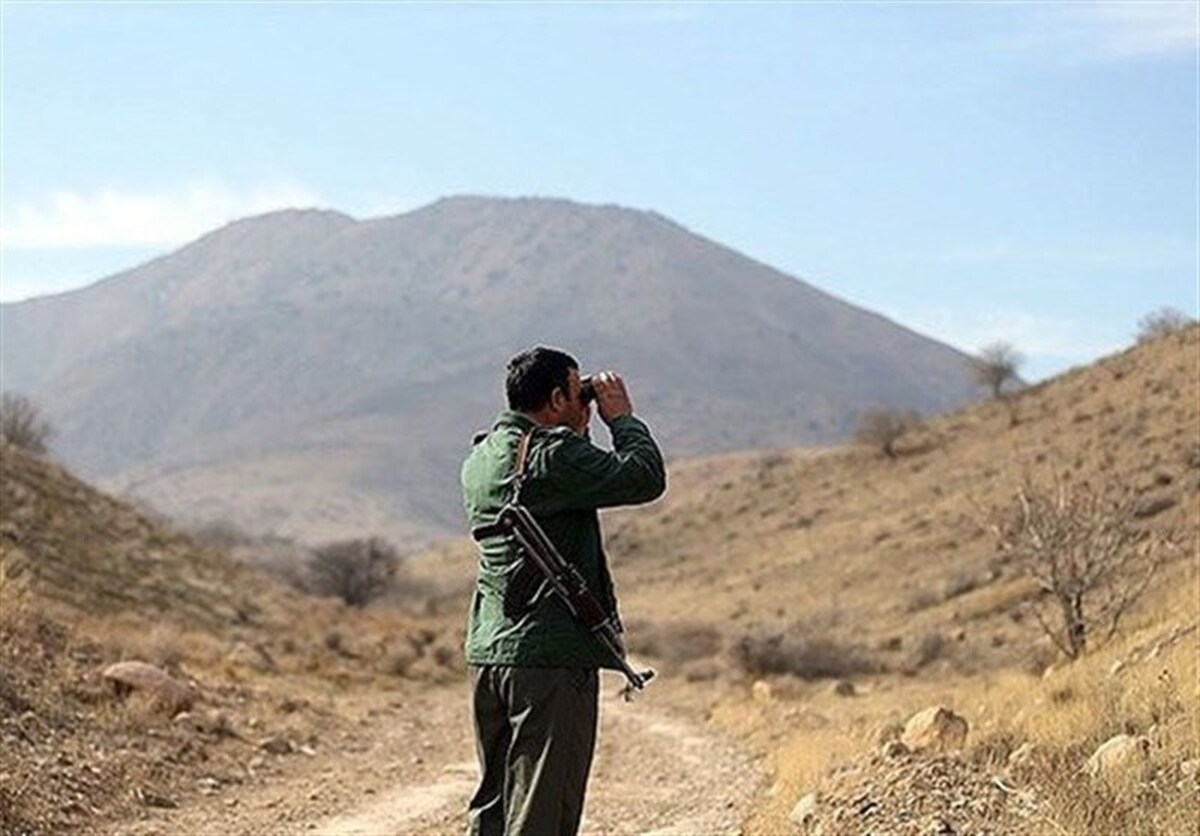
(409, 768)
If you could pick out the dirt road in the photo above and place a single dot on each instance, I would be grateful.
(410, 769)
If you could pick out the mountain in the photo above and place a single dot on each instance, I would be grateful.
(315, 375)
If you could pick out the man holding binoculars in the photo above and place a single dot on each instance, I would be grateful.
(534, 667)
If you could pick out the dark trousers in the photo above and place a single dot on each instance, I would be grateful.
(535, 731)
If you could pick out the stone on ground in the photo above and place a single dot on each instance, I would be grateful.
(936, 729)
(168, 693)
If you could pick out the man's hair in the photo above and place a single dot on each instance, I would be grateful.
(534, 375)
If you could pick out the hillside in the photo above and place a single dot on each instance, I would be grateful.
(797, 605)
(879, 572)
(87, 581)
(300, 714)
(318, 376)
(817, 567)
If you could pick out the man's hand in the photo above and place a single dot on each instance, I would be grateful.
(612, 401)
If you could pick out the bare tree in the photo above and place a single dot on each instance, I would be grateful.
(357, 571)
(1090, 560)
(22, 423)
(1161, 322)
(995, 365)
(882, 428)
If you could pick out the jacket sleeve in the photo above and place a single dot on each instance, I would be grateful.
(583, 475)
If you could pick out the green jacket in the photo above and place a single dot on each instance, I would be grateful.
(566, 479)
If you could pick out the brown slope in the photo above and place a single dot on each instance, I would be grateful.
(874, 547)
(85, 581)
(848, 541)
(880, 570)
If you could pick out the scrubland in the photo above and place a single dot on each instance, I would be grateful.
(845, 590)
(801, 603)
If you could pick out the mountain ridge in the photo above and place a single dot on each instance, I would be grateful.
(309, 329)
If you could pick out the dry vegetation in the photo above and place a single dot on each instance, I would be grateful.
(804, 601)
(845, 565)
(86, 581)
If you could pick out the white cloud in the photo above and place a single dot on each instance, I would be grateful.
(1109, 31)
(114, 218)
(1136, 29)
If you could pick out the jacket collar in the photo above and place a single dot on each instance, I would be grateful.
(517, 420)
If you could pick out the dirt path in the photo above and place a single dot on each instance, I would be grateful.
(411, 767)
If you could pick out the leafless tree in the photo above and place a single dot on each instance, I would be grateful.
(1090, 559)
(996, 365)
(1162, 322)
(357, 571)
(882, 428)
(22, 423)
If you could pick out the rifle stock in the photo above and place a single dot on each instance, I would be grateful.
(565, 581)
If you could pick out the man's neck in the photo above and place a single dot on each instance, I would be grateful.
(540, 418)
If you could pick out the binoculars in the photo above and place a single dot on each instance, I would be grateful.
(587, 390)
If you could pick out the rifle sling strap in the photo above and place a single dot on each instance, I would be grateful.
(524, 586)
(522, 461)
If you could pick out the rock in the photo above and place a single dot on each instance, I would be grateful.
(215, 723)
(218, 724)
(1117, 755)
(276, 746)
(805, 810)
(888, 731)
(935, 729)
(843, 688)
(1153, 506)
(894, 749)
(1117, 667)
(761, 690)
(169, 694)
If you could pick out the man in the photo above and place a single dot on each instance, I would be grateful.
(534, 669)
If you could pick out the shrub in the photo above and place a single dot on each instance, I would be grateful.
(357, 571)
(1090, 560)
(22, 423)
(928, 648)
(882, 428)
(674, 641)
(995, 365)
(807, 657)
(1161, 322)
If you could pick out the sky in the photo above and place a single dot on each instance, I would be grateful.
(1025, 172)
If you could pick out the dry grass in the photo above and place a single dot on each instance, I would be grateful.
(879, 561)
(86, 581)
(885, 554)
(802, 656)
(674, 642)
(16, 592)
(1066, 714)
(1146, 684)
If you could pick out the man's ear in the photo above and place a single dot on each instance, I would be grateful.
(558, 399)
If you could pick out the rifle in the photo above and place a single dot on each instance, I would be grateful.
(564, 580)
